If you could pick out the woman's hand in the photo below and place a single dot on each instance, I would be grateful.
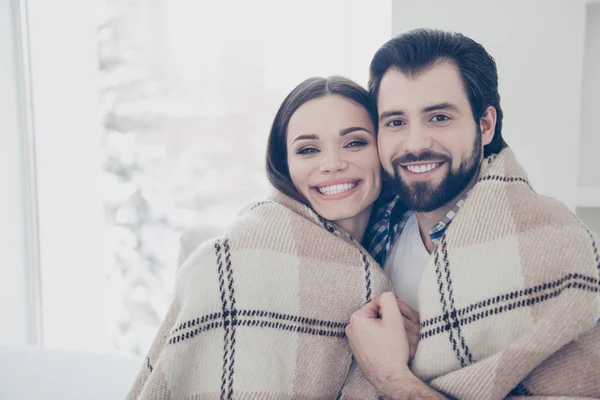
(412, 325)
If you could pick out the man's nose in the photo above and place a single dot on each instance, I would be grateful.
(418, 140)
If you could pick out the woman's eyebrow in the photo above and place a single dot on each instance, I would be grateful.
(346, 131)
(306, 137)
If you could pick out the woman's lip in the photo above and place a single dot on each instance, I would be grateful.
(337, 196)
(338, 181)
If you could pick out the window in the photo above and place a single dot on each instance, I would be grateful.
(151, 119)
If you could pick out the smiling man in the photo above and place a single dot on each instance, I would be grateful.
(506, 281)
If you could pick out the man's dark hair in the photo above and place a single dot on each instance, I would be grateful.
(414, 52)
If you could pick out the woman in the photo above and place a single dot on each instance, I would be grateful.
(260, 312)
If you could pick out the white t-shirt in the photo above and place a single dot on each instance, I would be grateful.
(406, 261)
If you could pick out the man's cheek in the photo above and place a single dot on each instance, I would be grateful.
(387, 165)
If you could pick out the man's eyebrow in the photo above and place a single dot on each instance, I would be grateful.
(392, 113)
(435, 107)
(306, 137)
(441, 106)
(346, 131)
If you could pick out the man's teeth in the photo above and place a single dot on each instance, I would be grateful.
(336, 189)
(419, 169)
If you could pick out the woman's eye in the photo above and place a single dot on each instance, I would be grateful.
(357, 143)
(307, 150)
(395, 123)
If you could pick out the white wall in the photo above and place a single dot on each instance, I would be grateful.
(357, 42)
(589, 145)
(538, 47)
(591, 217)
(589, 166)
(64, 73)
(13, 307)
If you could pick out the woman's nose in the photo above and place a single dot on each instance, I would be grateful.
(333, 164)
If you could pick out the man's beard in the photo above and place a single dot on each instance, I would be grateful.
(424, 196)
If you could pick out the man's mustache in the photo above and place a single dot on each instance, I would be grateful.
(424, 156)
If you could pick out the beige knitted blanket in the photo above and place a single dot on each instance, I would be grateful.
(260, 313)
(509, 300)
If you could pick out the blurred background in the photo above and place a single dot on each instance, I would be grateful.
(124, 122)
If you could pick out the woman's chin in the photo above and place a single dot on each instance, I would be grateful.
(335, 215)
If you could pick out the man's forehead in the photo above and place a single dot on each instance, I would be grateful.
(441, 83)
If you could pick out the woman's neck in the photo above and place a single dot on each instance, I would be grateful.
(356, 226)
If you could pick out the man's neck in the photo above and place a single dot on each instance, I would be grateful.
(428, 220)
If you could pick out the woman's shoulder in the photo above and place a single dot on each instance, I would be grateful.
(261, 208)
(262, 226)
(265, 218)
(273, 212)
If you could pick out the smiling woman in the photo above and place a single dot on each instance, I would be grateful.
(323, 151)
(261, 311)
(337, 170)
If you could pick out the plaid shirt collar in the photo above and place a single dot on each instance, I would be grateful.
(385, 230)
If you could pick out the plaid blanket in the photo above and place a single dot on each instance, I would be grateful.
(260, 313)
(510, 300)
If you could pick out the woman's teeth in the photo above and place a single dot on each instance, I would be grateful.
(336, 189)
(420, 169)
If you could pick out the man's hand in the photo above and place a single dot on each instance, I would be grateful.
(378, 339)
(383, 336)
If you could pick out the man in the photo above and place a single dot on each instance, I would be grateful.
(506, 281)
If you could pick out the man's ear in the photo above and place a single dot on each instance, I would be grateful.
(487, 125)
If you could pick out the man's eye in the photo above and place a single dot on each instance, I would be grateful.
(395, 123)
(440, 118)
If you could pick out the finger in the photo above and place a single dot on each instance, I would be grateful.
(413, 339)
(388, 307)
(408, 311)
(369, 310)
(413, 342)
(411, 322)
(412, 331)
(410, 326)
(412, 350)
(411, 353)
